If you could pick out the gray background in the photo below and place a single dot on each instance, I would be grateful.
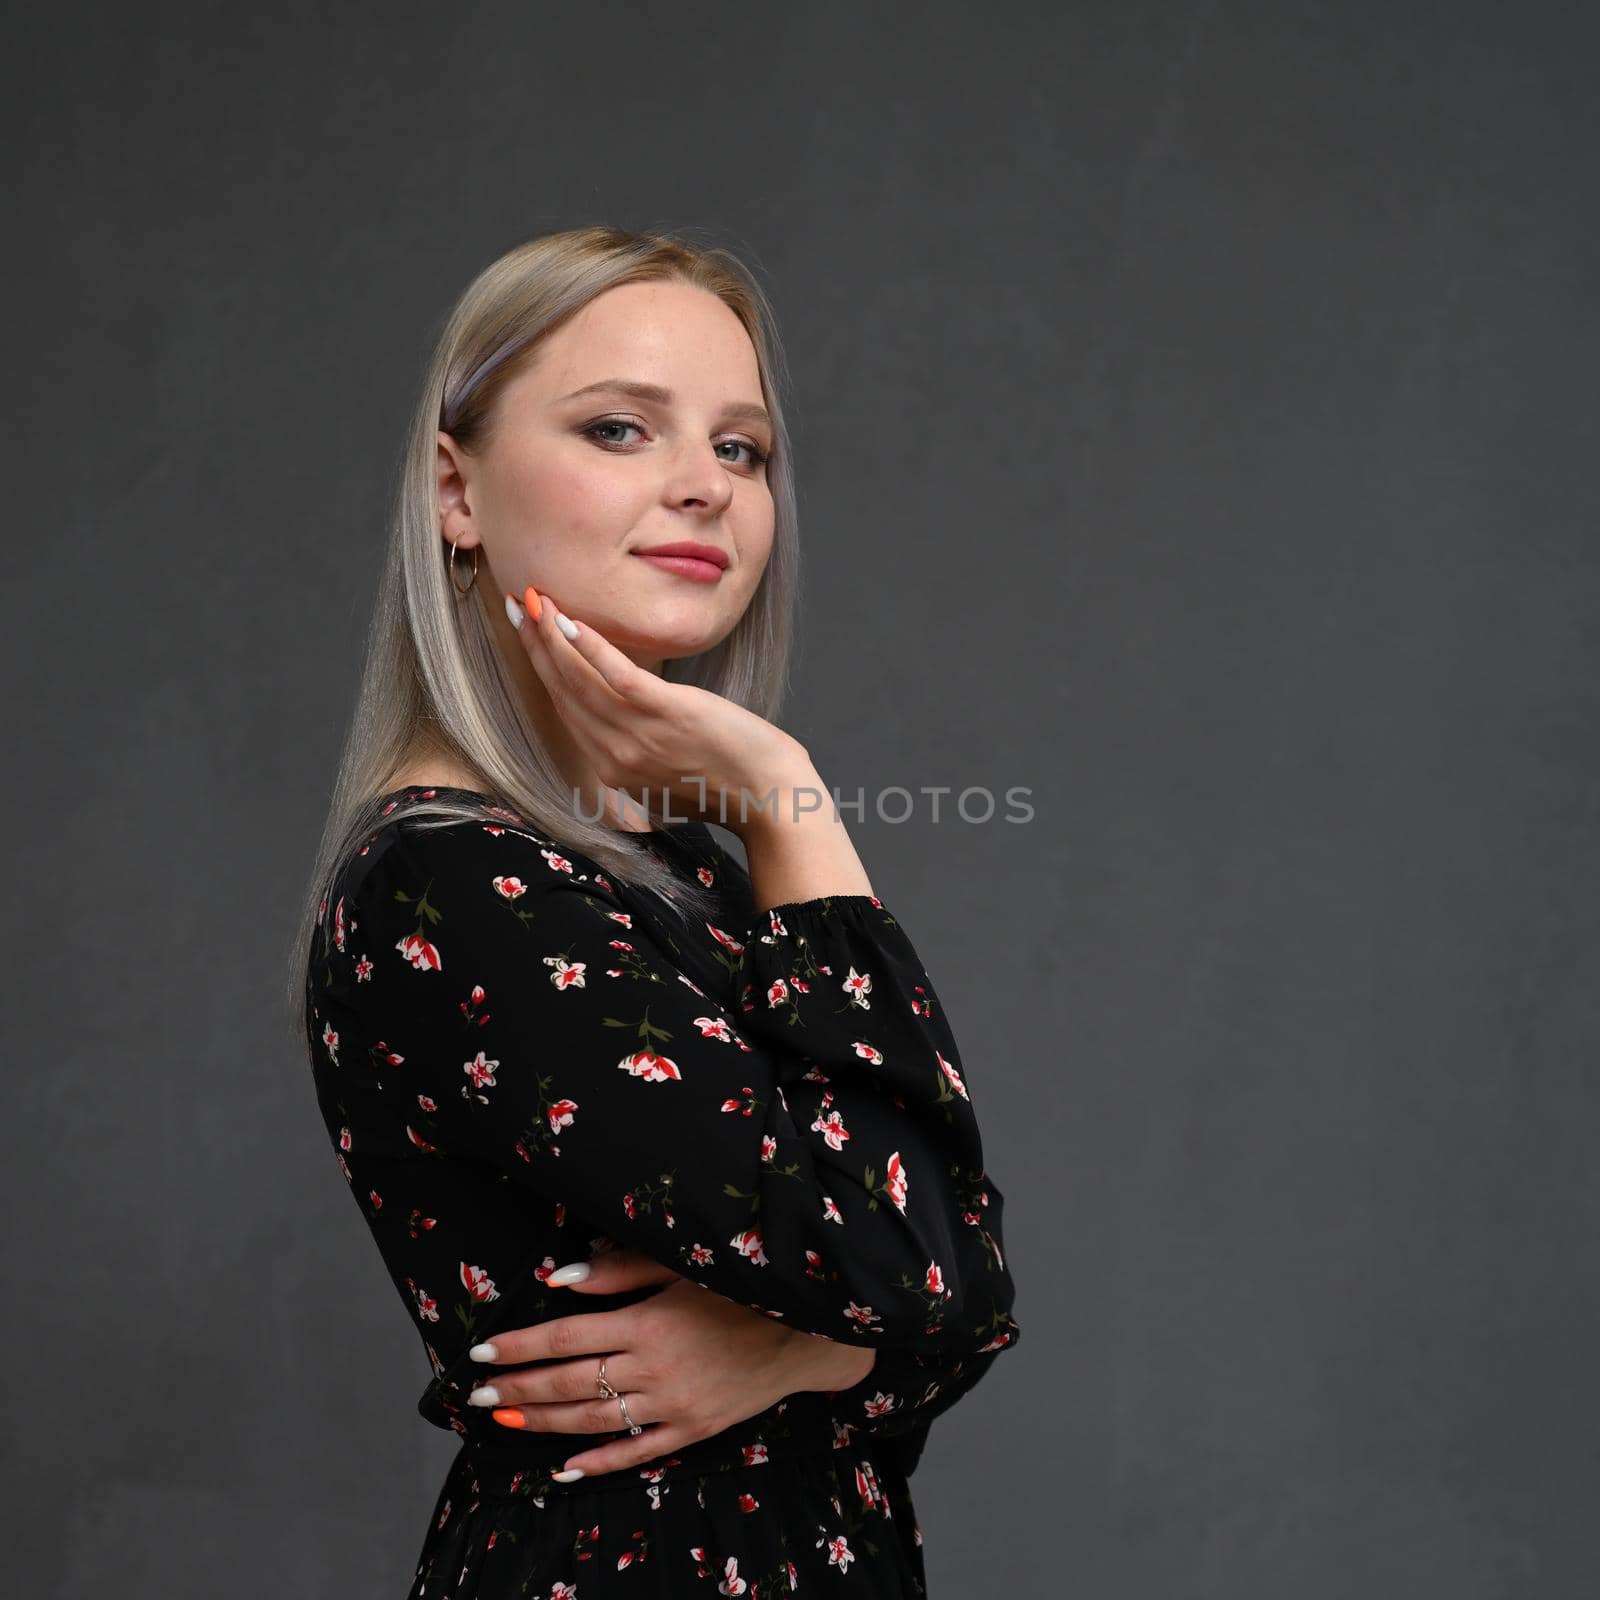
(1190, 402)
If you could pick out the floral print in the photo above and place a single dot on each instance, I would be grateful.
(520, 1064)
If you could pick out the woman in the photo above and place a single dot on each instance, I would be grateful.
(670, 1159)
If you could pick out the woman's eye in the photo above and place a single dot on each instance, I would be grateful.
(594, 430)
(757, 455)
(615, 422)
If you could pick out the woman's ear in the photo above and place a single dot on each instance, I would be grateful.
(455, 514)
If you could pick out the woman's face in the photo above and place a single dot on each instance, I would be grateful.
(571, 488)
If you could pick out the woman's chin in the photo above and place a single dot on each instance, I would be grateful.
(662, 644)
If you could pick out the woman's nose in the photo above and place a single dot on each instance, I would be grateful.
(698, 475)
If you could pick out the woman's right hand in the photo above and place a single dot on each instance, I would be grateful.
(689, 1361)
(640, 732)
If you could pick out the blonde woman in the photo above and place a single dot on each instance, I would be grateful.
(672, 1160)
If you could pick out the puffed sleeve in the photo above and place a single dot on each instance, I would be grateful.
(851, 943)
(811, 1153)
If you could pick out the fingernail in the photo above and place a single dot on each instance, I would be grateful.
(568, 1475)
(508, 1418)
(562, 1276)
(488, 1395)
(514, 611)
(482, 1352)
(567, 626)
(530, 598)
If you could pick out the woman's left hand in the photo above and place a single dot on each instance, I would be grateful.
(689, 1362)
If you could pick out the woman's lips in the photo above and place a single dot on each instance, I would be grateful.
(686, 567)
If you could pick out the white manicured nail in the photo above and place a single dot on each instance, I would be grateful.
(567, 626)
(562, 1276)
(568, 1476)
(488, 1395)
(514, 611)
(482, 1352)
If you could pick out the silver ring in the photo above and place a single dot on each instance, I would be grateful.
(633, 1427)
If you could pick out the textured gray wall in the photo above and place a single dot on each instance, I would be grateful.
(1190, 403)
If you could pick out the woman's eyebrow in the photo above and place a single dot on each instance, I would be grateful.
(745, 410)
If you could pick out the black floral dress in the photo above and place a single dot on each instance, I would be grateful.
(521, 1064)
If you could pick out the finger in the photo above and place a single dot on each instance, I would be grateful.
(623, 676)
(563, 669)
(558, 1383)
(588, 657)
(611, 1272)
(630, 1450)
(593, 1415)
(586, 1333)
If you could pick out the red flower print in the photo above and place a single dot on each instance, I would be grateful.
(748, 1244)
(862, 1316)
(330, 1041)
(748, 1502)
(896, 1182)
(556, 861)
(726, 940)
(830, 1211)
(480, 1071)
(714, 1028)
(840, 1554)
(858, 986)
(954, 1077)
(421, 1143)
(731, 1582)
(869, 1052)
(935, 1278)
(650, 1066)
(701, 1255)
(509, 887)
(777, 992)
(561, 1112)
(755, 1455)
(831, 1126)
(567, 974)
(478, 1283)
(879, 1405)
(422, 955)
(745, 1105)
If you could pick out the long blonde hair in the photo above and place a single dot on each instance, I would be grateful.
(433, 677)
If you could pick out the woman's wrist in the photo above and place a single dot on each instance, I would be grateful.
(797, 853)
(823, 1365)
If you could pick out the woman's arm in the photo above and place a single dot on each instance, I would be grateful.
(807, 1153)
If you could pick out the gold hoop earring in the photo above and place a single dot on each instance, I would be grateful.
(461, 593)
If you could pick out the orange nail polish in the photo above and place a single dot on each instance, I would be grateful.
(508, 1417)
(530, 598)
